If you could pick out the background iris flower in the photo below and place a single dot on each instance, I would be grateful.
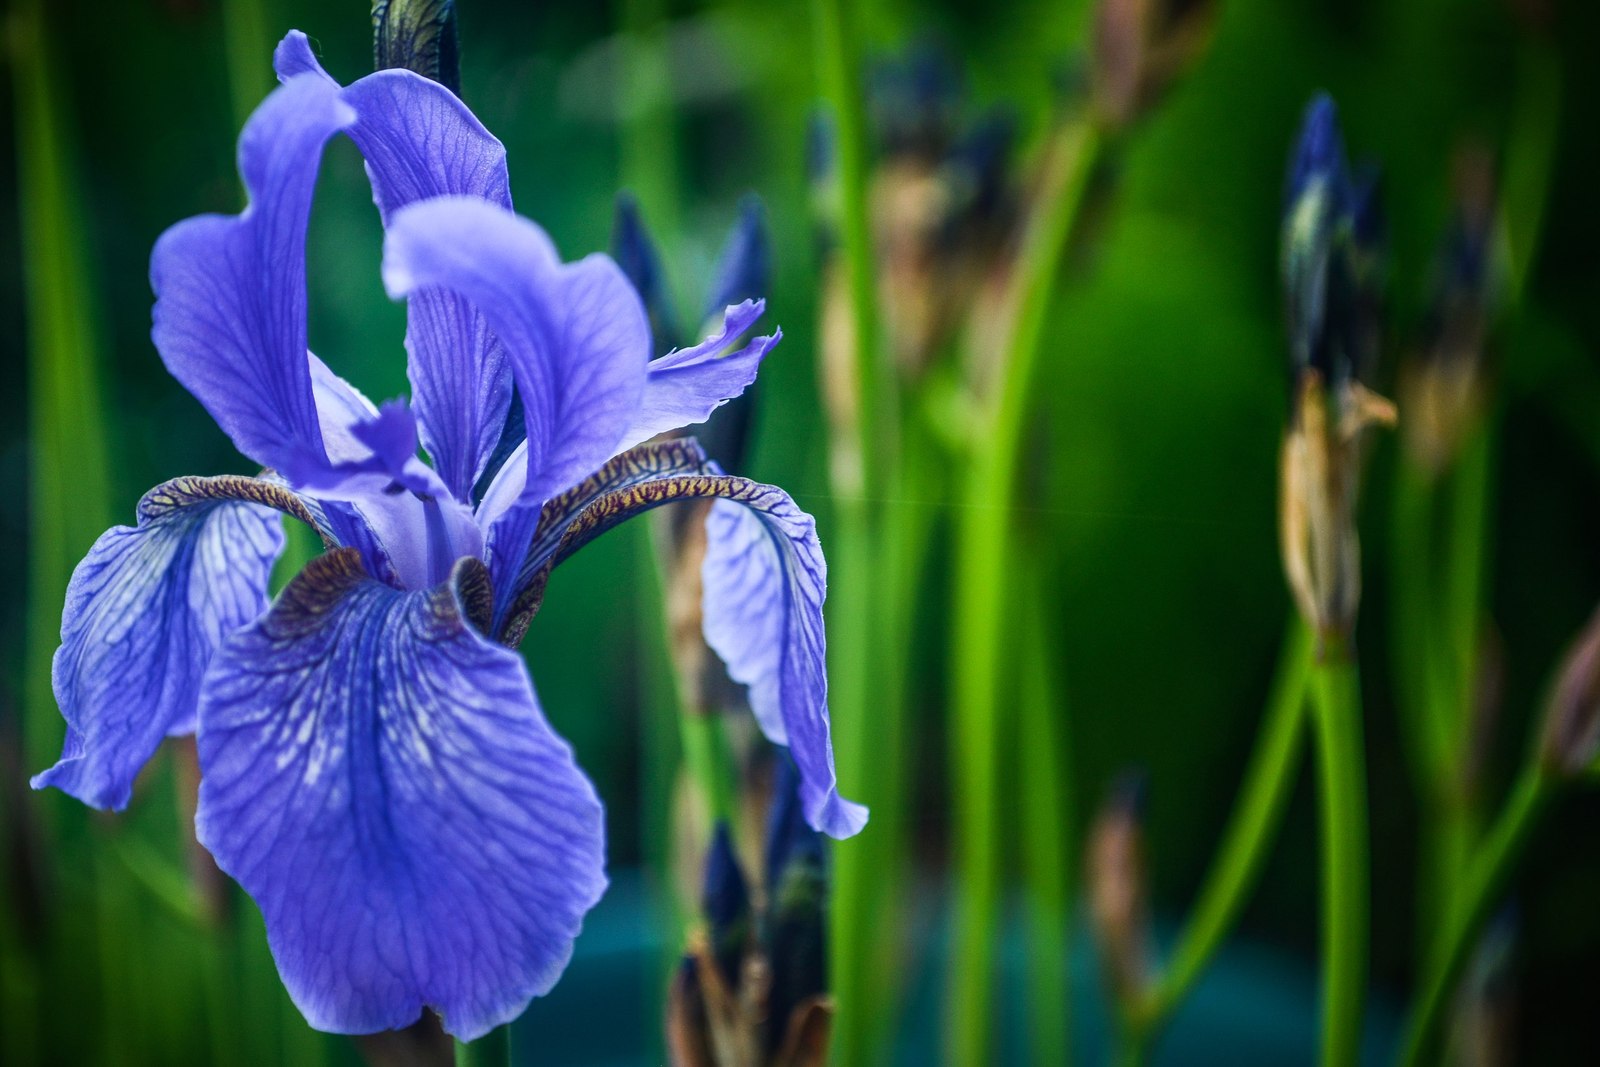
(377, 772)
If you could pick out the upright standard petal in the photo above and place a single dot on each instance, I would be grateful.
(576, 336)
(379, 777)
(230, 313)
(145, 611)
(684, 387)
(421, 141)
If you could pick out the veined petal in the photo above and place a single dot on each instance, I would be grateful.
(684, 387)
(421, 141)
(764, 579)
(230, 313)
(576, 334)
(391, 529)
(145, 611)
(380, 778)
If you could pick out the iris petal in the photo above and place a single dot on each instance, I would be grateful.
(764, 580)
(421, 141)
(684, 387)
(380, 778)
(145, 611)
(230, 313)
(764, 584)
(576, 335)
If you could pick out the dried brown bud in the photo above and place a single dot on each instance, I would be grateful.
(1118, 908)
(1321, 475)
(1141, 47)
(1443, 390)
(1570, 742)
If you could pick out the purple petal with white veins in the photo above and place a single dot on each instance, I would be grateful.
(230, 313)
(764, 582)
(684, 387)
(145, 611)
(421, 141)
(380, 778)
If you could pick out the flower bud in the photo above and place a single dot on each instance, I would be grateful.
(1118, 908)
(1444, 387)
(796, 933)
(1332, 267)
(636, 254)
(1570, 740)
(417, 35)
(1140, 48)
(725, 903)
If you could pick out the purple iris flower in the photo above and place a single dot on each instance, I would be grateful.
(376, 770)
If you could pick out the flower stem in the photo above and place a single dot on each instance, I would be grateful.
(839, 74)
(983, 554)
(491, 1050)
(69, 487)
(705, 752)
(1262, 799)
(1048, 841)
(1486, 876)
(1342, 805)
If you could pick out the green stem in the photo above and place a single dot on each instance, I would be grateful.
(983, 553)
(1342, 805)
(705, 752)
(839, 72)
(1044, 784)
(491, 1050)
(1485, 879)
(852, 637)
(1263, 796)
(248, 46)
(69, 487)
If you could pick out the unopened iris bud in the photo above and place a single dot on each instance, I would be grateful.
(417, 35)
(689, 1038)
(743, 272)
(799, 1011)
(755, 993)
(1443, 389)
(1332, 268)
(725, 901)
(941, 200)
(1140, 48)
(1118, 908)
(1569, 744)
(635, 253)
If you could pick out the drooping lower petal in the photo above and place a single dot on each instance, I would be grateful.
(684, 387)
(576, 334)
(764, 579)
(764, 583)
(230, 313)
(145, 611)
(380, 778)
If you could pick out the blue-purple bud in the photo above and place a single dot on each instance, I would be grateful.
(744, 266)
(636, 254)
(797, 895)
(725, 902)
(417, 35)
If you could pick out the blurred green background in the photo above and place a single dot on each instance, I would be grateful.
(1161, 407)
